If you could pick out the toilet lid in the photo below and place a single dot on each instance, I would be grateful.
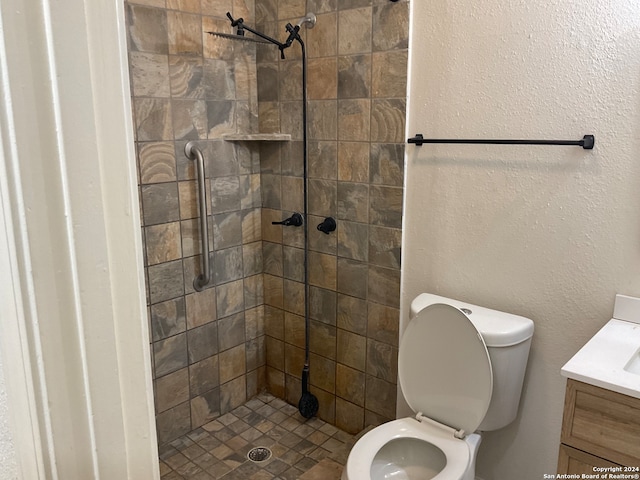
(444, 368)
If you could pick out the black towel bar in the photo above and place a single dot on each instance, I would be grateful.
(587, 141)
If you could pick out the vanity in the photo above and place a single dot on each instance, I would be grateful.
(601, 421)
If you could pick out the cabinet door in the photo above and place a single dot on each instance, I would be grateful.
(571, 460)
(601, 422)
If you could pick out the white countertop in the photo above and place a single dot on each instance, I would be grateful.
(611, 359)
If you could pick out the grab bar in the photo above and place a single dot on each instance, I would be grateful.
(194, 153)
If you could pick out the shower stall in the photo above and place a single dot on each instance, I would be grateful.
(217, 347)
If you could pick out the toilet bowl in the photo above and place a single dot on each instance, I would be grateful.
(461, 368)
(407, 449)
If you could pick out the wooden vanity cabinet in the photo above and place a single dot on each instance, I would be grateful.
(600, 428)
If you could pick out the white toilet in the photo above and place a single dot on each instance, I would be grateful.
(461, 369)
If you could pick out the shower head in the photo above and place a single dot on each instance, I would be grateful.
(309, 20)
(236, 36)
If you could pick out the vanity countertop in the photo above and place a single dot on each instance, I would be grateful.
(611, 358)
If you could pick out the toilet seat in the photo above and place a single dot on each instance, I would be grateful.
(444, 368)
(365, 450)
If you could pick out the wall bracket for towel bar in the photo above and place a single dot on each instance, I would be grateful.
(587, 141)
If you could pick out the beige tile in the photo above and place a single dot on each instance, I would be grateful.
(353, 202)
(350, 384)
(275, 382)
(274, 322)
(173, 423)
(217, 8)
(229, 298)
(290, 80)
(157, 162)
(390, 22)
(322, 75)
(149, 74)
(322, 339)
(323, 157)
(382, 360)
(353, 161)
(380, 396)
(270, 232)
(251, 226)
(205, 408)
(354, 76)
(385, 208)
(273, 291)
(172, 390)
(352, 314)
(322, 39)
(322, 118)
(389, 74)
(349, 417)
(204, 376)
(192, 6)
(147, 29)
(388, 120)
(232, 363)
(354, 120)
(293, 297)
(354, 31)
(163, 243)
(352, 278)
(383, 323)
(185, 34)
(153, 119)
(384, 286)
(213, 46)
(201, 307)
(233, 394)
(294, 329)
(186, 76)
(322, 270)
(275, 353)
(324, 373)
(322, 305)
(293, 360)
(167, 318)
(288, 9)
(352, 349)
(269, 117)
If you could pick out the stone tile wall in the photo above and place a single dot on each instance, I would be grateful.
(357, 97)
(208, 348)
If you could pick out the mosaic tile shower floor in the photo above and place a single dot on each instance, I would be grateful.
(301, 449)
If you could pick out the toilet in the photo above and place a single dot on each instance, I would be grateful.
(461, 369)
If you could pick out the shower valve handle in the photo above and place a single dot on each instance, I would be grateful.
(328, 225)
(294, 220)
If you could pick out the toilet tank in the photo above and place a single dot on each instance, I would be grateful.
(508, 338)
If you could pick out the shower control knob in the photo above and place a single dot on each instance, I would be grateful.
(294, 220)
(328, 225)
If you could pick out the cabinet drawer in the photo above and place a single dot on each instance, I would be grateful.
(571, 460)
(601, 422)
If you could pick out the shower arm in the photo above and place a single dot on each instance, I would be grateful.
(293, 31)
(241, 26)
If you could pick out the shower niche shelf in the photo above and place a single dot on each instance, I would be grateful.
(256, 137)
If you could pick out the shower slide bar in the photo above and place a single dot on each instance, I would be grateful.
(194, 153)
(587, 141)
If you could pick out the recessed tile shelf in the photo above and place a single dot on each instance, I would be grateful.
(256, 137)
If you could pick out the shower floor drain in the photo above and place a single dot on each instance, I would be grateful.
(259, 454)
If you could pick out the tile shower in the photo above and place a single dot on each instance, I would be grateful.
(215, 350)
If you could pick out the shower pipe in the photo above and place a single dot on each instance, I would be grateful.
(587, 142)
(193, 153)
(308, 404)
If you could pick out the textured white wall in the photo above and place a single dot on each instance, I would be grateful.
(551, 233)
(8, 463)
